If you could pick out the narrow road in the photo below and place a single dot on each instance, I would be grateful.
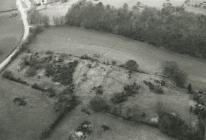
(24, 16)
(23, 11)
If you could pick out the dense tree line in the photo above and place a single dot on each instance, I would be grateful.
(171, 27)
(35, 18)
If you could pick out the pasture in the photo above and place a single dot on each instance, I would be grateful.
(11, 30)
(7, 5)
(23, 122)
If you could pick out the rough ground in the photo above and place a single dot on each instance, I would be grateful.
(90, 74)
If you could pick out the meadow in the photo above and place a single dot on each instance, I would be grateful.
(7, 5)
(23, 122)
(11, 30)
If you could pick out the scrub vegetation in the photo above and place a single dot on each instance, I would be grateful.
(87, 84)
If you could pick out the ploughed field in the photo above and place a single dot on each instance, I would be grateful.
(79, 41)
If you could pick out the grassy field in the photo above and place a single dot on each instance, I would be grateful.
(18, 123)
(22, 122)
(11, 31)
(120, 129)
(79, 41)
(7, 4)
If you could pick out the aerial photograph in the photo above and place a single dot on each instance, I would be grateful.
(102, 69)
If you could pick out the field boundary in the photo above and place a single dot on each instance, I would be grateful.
(9, 10)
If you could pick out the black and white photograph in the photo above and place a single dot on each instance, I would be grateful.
(102, 69)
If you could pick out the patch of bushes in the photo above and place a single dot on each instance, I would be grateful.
(129, 90)
(200, 108)
(9, 75)
(149, 84)
(174, 126)
(20, 101)
(36, 62)
(131, 65)
(51, 92)
(62, 73)
(98, 90)
(155, 88)
(65, 102)
(131, 112)
(172, 71)
(86, 57)
(119, 98)
(200, 97)
(38, 87)
(98, 104)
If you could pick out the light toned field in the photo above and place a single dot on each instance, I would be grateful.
(11, 31)
(22, 122)
(79, 41)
